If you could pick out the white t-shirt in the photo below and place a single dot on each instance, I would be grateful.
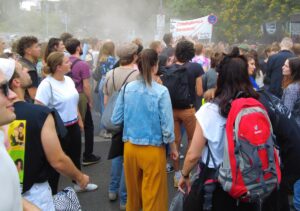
(65, 97)
(10, 195)
(213, 126)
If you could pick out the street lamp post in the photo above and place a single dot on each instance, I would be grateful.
(47, 19)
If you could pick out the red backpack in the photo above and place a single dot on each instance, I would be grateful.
(251, 169)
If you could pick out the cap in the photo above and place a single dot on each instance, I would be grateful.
(7, 66)
(244, 47)
(126, 50)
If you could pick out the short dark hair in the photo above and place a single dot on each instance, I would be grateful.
(215, 59)
(65, 36)
(24, 43)
(168, 38)
(184, 51)
(72, 44)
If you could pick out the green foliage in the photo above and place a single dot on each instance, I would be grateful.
(237, 19)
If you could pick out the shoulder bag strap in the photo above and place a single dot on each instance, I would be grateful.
(127, 77)
(52, 98)
(113, 79)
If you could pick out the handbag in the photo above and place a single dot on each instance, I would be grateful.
(117, 145)
(109, 108)
(66, 200)
(177, 202)
(201, 194)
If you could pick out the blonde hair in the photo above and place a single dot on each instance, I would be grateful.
(198, 49)
(106, 50)
(155, 44)
(53, 60)
(286, 43)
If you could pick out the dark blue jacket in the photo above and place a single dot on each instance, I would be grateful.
(274, 71)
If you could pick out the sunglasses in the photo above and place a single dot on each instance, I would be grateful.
(5, 88)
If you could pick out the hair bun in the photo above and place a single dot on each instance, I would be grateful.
(46, 69)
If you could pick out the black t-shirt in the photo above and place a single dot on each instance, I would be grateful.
(36, 166)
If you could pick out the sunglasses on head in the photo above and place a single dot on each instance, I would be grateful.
(5, 88)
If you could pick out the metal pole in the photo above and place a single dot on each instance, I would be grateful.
(161, 6)
(212, 29)
(47, 19)
(66, 22)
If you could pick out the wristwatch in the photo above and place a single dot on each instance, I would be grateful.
(184, 176)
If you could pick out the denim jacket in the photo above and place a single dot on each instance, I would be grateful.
(146, 112)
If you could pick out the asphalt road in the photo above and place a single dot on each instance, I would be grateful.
(100, 175)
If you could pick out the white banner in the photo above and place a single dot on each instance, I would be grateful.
(199, 28)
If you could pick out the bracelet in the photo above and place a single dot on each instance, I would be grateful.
(185, 176)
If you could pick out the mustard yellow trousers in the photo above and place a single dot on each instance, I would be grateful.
(146, 177)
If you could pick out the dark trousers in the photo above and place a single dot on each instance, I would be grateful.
(73, 149)
(88, 133)
(71, 145)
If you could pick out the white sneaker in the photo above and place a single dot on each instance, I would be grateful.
(122, 206)
(181, 156)
(89, 187)
(112, 196)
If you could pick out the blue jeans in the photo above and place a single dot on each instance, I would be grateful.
(101, 97)
(297, 195)
(117, 182)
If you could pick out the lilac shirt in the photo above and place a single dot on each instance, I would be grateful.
(80, 71)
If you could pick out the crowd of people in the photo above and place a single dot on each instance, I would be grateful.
(49, 90)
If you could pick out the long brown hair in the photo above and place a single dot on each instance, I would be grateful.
(52, 44)
(294, 64)
(233, 79)
(148, 59)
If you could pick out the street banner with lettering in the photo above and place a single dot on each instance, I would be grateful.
(199, 28)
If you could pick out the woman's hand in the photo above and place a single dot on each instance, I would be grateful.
(83, 181)
(80, 123)
(174, 153)
(209, 94)
(184, 184)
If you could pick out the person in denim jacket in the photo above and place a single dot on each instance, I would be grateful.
(144, 107)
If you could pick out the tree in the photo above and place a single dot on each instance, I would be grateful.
(237, 19)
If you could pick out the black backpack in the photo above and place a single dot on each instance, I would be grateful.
(287, 135)
(175, 78)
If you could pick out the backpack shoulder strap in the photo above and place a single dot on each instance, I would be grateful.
(209, 154)
(73, 63)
